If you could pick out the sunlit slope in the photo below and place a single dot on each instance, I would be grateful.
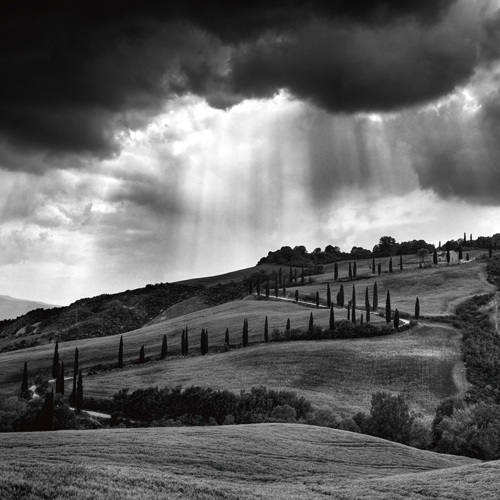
(439, 289)
(424, 364)
(104, 350)
(250, 461)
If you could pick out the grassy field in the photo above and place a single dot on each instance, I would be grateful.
(281, 461)
(439, 289)
(424, 364)
(216, 319)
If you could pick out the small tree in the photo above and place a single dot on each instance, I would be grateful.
(55, 361)
(311, 323)
(47, 413)
(417, 309)
(375, 297)
(164, 347)
(317, 300)
(120, 354)
(460, 253)
(367, 306)
(332, 319)
(142, 357)
(296, 295)
(396, 319)
(266, 331)
(245, 333)
(226, 340)
(388, 307)
(328, 295)
(79, 392)
(60, 384)
(24, 383)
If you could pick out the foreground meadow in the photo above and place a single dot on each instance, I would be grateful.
(249, 461)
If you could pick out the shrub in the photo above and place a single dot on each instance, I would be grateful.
(348, 424)
(284, 413)
(324, 418)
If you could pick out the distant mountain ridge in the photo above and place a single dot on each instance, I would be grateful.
(11, 308)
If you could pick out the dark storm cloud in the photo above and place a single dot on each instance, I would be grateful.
(75, 73)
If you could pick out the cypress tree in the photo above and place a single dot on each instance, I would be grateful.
(361, 319)
(266, 332)
(311, 323)
(417, 309)
(390, 264)
(290, 276)
(55, 361)
(465, 238)
(379, 268)
(467, 257)
(350, 271)
(396, 319)
(373, 265)
(279, 276)
(435, 257)
(47, 413)
(284, 289)
(338, 299)
(79, 392)
(367, 305)
(120, 354)
(317, 300)
(183, 343)
(72, 396)
(142, 357)
(439, 244)
(401, 262)
(258, 284)
(336, 272)
(349, 311)
(245, 333)
(295, 275)
(448, 256)
(353, 296)
(204, 341)
(186, 342)
(288, 324)
(354, 270)
(388, 307)
(375, 297)
(328, 295)
(342, 298)
(332, 319)
(24, 383)
(460, 254)
(353, 316)
(296, 295)
(276, 289)
(267, 288)
(164, 347)
(60, 380)
(226, 340)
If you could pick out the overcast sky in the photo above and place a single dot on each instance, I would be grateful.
(144, 143)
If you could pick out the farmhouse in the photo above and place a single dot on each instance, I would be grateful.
(453, 256)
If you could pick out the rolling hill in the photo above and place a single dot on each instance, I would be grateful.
(281, 461)
(12, 308)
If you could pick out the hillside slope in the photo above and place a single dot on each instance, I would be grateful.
(251, 461)
(11, 307)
